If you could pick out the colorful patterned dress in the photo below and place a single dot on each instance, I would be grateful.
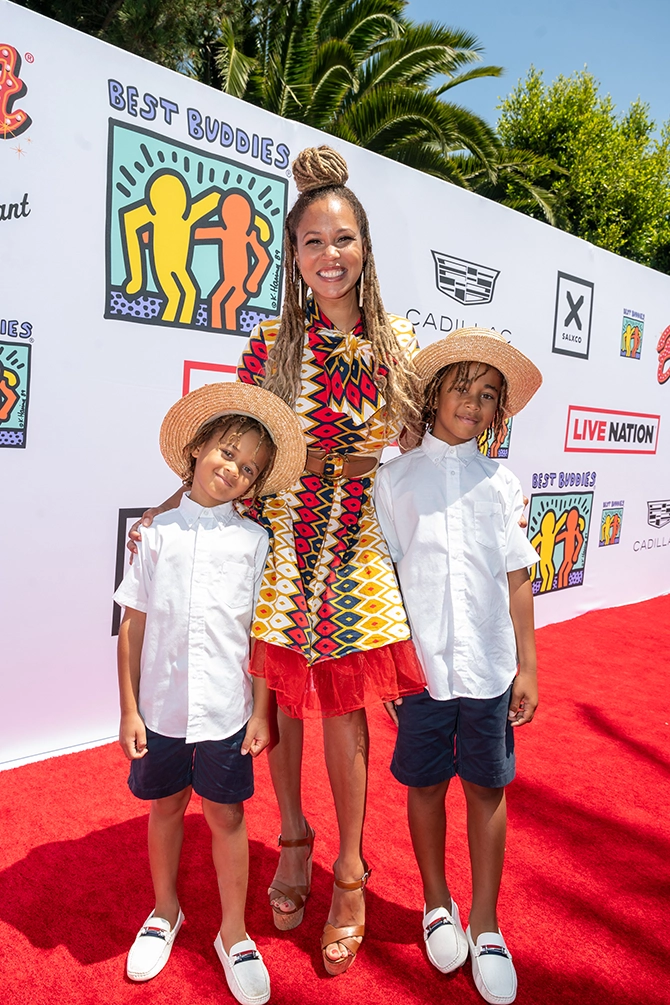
(330, 628)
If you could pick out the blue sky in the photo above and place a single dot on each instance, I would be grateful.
(624, 43)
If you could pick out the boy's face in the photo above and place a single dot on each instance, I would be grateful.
(226, 467)
(465, 413)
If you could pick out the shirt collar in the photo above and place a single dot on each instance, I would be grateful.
(192, 511)
(439, 451)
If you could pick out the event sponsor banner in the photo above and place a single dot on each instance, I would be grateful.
(141, 223)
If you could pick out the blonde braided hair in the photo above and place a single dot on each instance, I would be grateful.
(318, 173)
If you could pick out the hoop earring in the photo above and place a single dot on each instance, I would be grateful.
(360, 287)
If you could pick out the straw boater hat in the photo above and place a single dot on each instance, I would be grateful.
(482, 345)
(209, 402)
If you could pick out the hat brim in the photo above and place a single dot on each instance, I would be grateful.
(188, 414)
(483, 346)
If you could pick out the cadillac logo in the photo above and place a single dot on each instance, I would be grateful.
(464, 281)
(658, 513)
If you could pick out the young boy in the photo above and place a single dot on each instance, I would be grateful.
(451, 518)
(190, 712)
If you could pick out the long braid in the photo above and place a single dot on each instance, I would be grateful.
(320, 172)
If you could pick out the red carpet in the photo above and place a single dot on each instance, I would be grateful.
(585, 893)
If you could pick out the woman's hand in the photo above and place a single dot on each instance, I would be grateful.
(523, 520)
(390, 707)
(148, 517)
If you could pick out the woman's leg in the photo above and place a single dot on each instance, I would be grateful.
(346, 745)
(487, 826)
(285, 759)
(230, 852)
(166, 834)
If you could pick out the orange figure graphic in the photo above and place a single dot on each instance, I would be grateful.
(544, 543)
(500, 439)
(166, 222)
(239, 233)
(8, 396)
(573, 539)
(614, 530)
(635, 339)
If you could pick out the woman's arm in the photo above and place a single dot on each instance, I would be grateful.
(147, 519)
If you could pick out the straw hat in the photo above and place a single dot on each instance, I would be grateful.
(188, 414)
(482, 345)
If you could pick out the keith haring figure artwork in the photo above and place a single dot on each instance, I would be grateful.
(496, 446)
(632, 331)
(14, 391)
(194, 240)
(558, 529)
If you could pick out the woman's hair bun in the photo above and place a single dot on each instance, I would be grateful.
(318, 167)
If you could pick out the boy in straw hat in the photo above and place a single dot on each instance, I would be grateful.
(190, 712)
(451, 519)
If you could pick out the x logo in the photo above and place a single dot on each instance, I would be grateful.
(575, 307)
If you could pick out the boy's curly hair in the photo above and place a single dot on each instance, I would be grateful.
(233, 426)
(457, 373)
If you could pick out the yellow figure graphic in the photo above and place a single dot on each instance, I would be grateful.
(8, 396)
(166, 221)
(605, 530)
(544, 543)
(239, 233)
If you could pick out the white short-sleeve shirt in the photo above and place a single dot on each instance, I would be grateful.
(451, 519)
(196, 577)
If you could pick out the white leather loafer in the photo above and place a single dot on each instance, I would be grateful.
(246, 974)
(492, 968)
(446, 945)
(152, 947)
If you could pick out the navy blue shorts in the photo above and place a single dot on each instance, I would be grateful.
(468, 737)
(215, 768)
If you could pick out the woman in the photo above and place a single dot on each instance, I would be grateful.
(330, 631)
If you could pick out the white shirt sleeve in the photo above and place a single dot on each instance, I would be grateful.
(519, 553)
(136, 585)
(383, 499)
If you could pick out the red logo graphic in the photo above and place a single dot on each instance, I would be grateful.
(12, 123)
(663, 350)
(601, 430)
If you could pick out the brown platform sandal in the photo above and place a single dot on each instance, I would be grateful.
(346, 937)
(286, 920)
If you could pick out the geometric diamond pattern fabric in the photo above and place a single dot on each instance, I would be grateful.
(329, 588)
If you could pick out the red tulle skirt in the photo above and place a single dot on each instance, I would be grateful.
(336, 686)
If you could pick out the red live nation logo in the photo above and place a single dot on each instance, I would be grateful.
(604, 431)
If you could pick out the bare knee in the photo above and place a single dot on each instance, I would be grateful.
(224, 818)
(172, 806)
(427, 795)
(481, 795)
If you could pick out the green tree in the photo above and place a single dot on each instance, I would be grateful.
(610, 183)
(357, 69)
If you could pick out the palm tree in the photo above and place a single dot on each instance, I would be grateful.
(361, 71)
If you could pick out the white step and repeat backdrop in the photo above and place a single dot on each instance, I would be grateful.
(141, 229)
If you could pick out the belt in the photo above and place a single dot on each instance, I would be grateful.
(340, 465)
